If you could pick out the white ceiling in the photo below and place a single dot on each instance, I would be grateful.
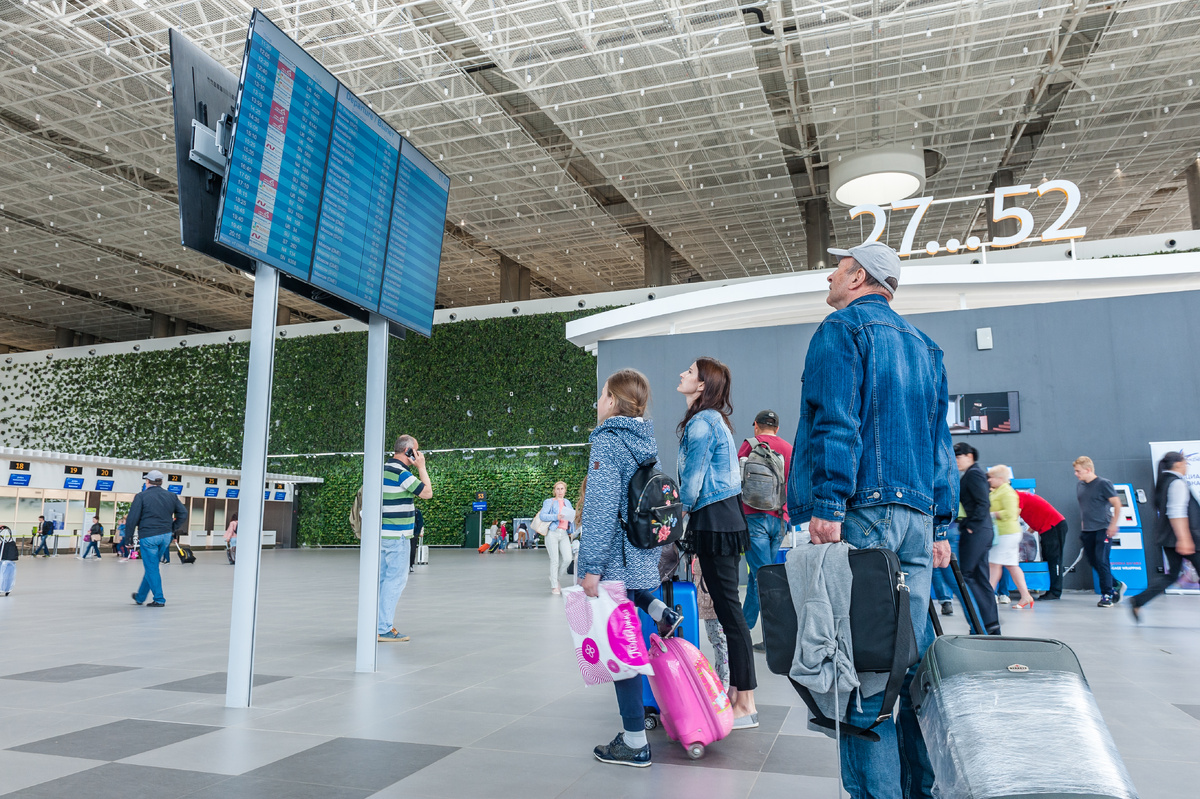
(568, 128)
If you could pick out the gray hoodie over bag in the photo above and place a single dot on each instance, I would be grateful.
(820, 579)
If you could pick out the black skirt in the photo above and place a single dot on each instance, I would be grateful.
(718, 529)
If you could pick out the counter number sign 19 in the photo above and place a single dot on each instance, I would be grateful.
(1055, 231)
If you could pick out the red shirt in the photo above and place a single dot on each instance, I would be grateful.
(783, 448)
(1039, 514)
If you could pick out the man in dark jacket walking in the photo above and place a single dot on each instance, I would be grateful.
(156, 514)
(975, 535)
(1177, 529)
(45, 530)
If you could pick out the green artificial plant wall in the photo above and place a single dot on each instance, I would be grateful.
(516, 484)
(487, 383)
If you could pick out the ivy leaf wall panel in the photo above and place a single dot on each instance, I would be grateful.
(486, 383)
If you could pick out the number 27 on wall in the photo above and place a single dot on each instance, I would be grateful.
(920, 205)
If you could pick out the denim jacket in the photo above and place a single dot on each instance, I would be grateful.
(708, 463)
(550, 510)
(872, 420)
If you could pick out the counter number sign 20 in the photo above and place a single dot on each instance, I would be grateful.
(1056, 231)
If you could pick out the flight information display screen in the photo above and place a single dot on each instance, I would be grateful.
(352, 236)
(415, 243)
(276, 164)
(319, 186)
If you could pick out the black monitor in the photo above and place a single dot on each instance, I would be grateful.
(319, 186)
(203, 91)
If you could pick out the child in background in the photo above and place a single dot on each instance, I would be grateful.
(716, 634)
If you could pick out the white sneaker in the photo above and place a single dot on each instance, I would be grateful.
(1003, 599)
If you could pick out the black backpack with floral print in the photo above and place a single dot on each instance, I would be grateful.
(654, 516)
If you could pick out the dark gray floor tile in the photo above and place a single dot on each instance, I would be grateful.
(76, 671)
(355, 763)
(771, 718)
(247, 787)
(1191, 710)
(745, 750)
(803, 755)
(209, 683)
(122, 781)
(117, 740)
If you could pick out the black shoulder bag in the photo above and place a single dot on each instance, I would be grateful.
(880, 627)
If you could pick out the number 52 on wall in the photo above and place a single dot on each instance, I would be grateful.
(920, 205)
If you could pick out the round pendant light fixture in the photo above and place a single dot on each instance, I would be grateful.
(877, 177)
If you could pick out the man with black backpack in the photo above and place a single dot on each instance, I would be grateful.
(765, 460)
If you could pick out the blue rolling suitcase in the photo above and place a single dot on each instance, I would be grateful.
(682, 597)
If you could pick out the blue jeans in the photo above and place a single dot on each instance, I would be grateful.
(393, 576)
(151, 551)
(943, 579)
(766, 534)
(897, 766)
(93, 546)
(41, 547)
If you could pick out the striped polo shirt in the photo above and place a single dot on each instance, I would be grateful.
(400, 487)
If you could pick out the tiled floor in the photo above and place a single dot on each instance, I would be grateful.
(101, 698)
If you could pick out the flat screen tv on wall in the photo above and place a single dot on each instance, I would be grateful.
(994, 412)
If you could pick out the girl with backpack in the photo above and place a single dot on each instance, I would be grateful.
(623, 439)
(710, 485)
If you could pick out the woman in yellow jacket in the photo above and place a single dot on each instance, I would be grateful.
(1005, 553)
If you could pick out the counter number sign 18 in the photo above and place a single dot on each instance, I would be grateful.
(1056, 231)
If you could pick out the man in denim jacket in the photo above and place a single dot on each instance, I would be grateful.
(873, 465)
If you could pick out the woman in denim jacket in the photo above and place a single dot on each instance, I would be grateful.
(623, 438)
(559, 514)
(710, 486)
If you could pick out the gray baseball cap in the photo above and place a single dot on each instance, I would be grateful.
(153, 476)
(880, 260)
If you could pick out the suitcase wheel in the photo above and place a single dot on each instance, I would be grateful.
(695, 751)
(651, 721)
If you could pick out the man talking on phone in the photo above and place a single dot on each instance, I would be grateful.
(400, 488)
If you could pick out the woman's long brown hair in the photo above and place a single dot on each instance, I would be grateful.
(715, 395)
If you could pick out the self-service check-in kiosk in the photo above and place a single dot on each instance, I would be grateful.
(1127, 557)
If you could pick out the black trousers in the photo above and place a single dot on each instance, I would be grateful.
(1161, 582)
(1096, 546)
(721, 579)
(973, 559)
(1053, 541)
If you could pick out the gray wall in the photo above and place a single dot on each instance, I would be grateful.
(1101, 378)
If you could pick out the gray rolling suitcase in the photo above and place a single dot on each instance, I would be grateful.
(989, 705)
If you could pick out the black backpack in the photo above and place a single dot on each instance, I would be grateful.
(654, 515)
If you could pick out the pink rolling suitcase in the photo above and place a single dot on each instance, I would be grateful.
(692, 702)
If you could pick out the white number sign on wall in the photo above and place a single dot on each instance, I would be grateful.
(1056, 231)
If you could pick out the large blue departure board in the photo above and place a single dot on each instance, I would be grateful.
(319, 186)
(357, 208)
(415, 243)
(276, 163)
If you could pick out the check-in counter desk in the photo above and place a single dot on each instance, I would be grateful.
(215, 539)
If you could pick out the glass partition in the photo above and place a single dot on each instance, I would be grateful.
(29, 507)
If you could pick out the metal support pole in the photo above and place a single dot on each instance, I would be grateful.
(240, 674)
(372, 505)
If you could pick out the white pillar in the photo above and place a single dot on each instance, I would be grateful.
(372, 506)
(239, 681)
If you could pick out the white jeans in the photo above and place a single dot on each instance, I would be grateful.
(558, 544)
